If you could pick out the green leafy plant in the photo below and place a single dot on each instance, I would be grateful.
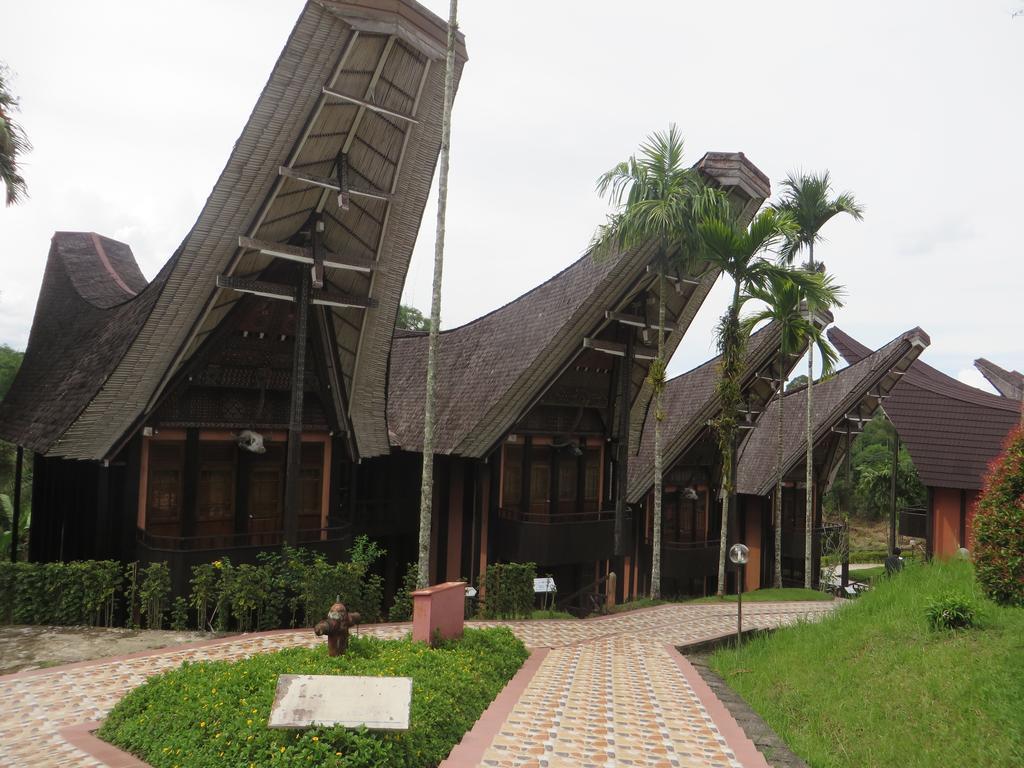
(999, 526)
(401, 609)
(154, 593)
(179, 614)
(215, 713)
(509, 590)
(950, 611)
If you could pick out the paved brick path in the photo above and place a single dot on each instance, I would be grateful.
(609, 693)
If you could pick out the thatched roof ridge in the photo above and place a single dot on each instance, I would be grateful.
(492, 369)
(952, 430)
(379, 51)
(1008, 383)
(92, 302)
(836, 397)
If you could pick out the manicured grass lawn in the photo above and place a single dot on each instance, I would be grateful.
(551, 614)
(873, 685)
(867, 574)
(770, 595)
(215, 713)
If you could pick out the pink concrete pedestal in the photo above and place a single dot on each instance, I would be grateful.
(439, 609)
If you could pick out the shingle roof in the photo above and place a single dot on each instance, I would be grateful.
(383, 52)
(953, 431)
(92, 302)
(1008, 383)
(834, 398)
(688, 401)
(491, 370)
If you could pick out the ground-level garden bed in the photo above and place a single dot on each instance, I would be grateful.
(876, 684)
(215, 713)
(786, 594)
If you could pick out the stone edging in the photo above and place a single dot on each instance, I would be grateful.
(468, 752)
(744, 749)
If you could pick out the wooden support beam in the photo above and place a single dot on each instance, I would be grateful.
(636, 321)
(317, 247)
(370, 106)
(332, 184)
(342, 165)
(304, 255)
(323, 296)
(651, 269)
(618, 349)
(257, 287)
(328, 298)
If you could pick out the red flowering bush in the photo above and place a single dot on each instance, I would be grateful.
(999, 526)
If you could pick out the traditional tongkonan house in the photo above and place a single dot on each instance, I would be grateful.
(953, 432)
(221, 407)
(691, 506)
(540, 403)
(840, 406)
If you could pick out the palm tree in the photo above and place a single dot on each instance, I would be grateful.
(659, 203)
(806, 198)
(791, 304)
(738, 252)
(427, 477)
(13, 143)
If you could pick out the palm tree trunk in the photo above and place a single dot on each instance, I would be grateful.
(778, 485)
(427, 479)
(659, 385)
(809, 479)
(728, 458)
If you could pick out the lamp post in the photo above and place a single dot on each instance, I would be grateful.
(738, 554)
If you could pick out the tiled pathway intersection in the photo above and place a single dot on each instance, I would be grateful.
(609, 693)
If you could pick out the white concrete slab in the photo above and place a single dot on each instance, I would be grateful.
(379, 703)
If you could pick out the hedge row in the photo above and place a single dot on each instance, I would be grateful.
(999, 526)
(294, 587)
(508, 591)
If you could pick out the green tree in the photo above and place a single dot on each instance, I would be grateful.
(10, 362)
(792, 305)
(738, 252)
(796, 382)
(13, 142)
(427, 475)
(998, 537)
(411, 319)
(659, 203)
(806, 198)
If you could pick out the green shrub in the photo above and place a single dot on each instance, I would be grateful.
(999, 526)
(154, 593)
(509, 590)
(179, 614)
(950, 611)
(215, 713)
(401, 609)
(72, 594)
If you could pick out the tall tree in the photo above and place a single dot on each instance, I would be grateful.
(738, 252)
(791, 304)
(411, 319)
(659, 203)
(13, 143)
(427, 479)
(806, 197)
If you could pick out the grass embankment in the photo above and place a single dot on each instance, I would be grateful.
(215, 713)
(875, 686)
(770, 596)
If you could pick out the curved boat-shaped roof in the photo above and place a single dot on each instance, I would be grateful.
(490, 371)
(92, 302)
(855, 391)
(382, 62)
(952, 430)
(1007, 383)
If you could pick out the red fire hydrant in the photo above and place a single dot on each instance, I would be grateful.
(335, 626)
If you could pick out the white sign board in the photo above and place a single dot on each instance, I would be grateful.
(379, 703)
(545, 585)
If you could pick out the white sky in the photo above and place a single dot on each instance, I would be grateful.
(916, 107)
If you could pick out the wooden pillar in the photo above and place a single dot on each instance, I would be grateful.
(293, 468)
(243, 476)
(622, 465)
(893, 476)
(190, 497)
(19, 458)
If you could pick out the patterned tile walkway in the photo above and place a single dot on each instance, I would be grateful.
(609, 693)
